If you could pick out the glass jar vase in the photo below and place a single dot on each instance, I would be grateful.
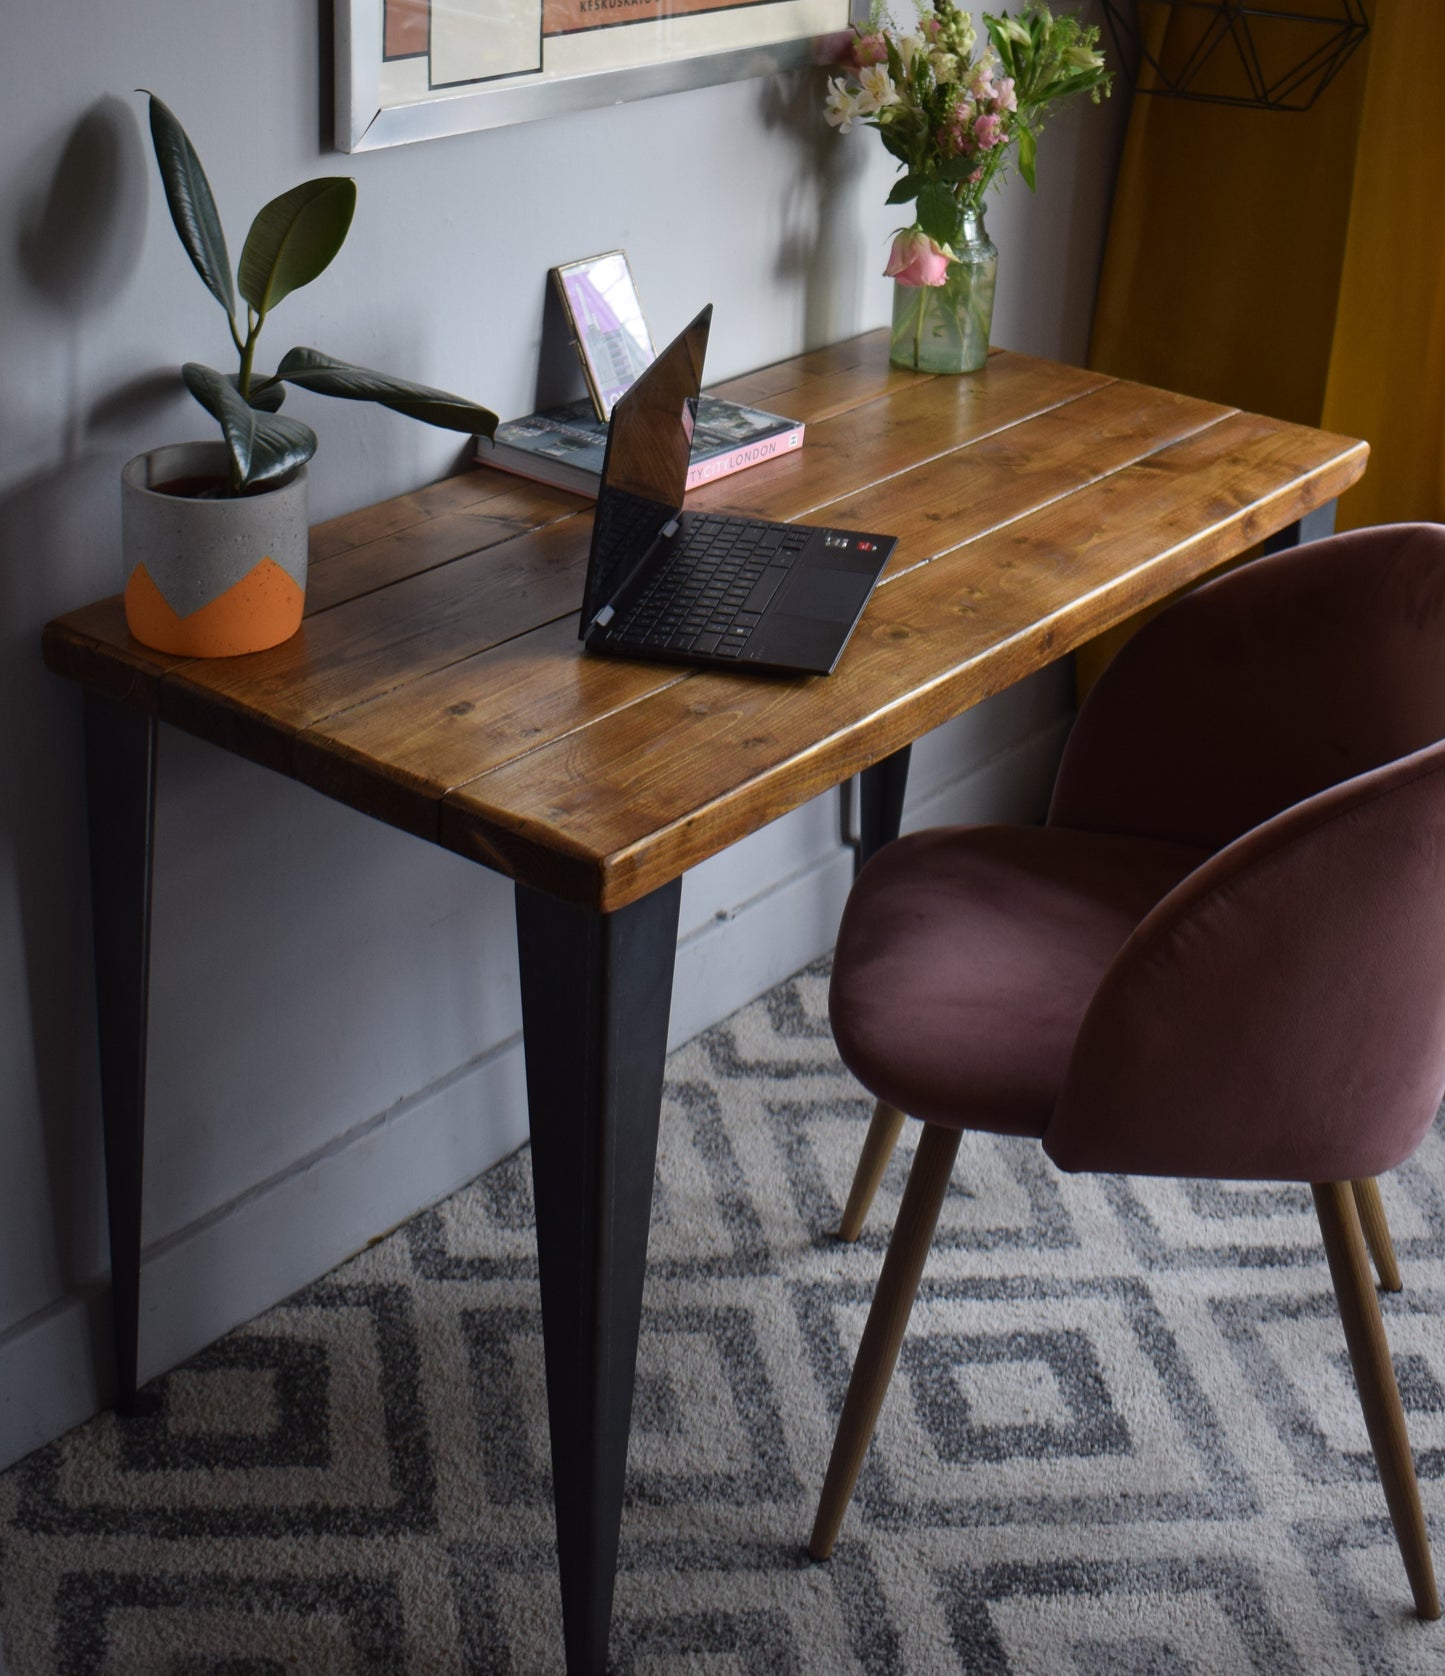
(944, 328)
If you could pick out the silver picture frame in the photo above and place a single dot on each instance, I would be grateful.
(367, 120)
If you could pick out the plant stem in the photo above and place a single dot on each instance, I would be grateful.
(254, 322)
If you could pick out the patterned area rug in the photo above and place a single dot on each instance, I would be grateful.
(1123, 1437)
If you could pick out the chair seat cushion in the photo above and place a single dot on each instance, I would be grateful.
(967, 957)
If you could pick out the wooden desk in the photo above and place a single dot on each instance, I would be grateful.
(437, 684)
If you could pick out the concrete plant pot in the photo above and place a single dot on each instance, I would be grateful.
(210, 578)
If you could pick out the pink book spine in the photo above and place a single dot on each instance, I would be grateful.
(745, 455)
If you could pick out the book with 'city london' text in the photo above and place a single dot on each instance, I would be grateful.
(564, 446)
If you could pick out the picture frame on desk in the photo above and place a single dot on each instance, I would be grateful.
(604, 315)
(419, 69)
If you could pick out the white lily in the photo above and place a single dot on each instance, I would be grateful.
(843, 107)
(878, 91)
(909, 47)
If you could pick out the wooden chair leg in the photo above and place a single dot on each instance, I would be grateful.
(1375, 1378)
(1377, 1232)
(877, 1150)
(883, 1334)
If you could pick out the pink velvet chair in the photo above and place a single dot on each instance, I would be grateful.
(1223, 955)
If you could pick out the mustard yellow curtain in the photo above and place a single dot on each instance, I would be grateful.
(1293, 263)
(1386, 379)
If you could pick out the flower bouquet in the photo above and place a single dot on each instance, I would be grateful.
(955, 118)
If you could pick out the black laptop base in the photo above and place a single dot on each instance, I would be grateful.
(728, 592)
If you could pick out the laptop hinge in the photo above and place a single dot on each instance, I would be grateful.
(609, 611)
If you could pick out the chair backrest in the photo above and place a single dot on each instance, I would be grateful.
(1281, 1013)
(1257, 690)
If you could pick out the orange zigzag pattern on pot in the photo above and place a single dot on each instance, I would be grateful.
(261, 610)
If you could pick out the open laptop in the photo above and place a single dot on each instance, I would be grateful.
(709, 588)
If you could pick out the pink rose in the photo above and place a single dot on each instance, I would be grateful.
(916, 260)
(988, 131)
(869, 49)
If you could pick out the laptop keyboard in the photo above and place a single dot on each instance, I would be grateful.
(713, 591)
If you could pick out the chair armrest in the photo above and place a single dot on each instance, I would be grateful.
(1256, 691)
(1281, 1013)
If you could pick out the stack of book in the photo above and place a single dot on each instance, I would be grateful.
(564, 446)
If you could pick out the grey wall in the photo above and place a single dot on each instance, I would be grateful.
(334, 1004)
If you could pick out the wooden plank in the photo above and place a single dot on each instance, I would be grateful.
(365, 524)
(410, 744)
(397, 755)
(93, 646)
(610, 811)
(433, 542)
(946, 501)
(367, 549)
(470, 490)
(341, 657)
(872, 443)
(824, 382)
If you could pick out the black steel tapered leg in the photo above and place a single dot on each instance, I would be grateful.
(881, 792)
(1314, 526)
(596, 990)
(120, 782)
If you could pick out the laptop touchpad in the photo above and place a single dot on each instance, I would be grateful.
(835, 596)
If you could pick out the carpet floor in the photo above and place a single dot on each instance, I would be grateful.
(1123, 1439)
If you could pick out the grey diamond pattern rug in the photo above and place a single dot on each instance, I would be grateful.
(1123, 1437)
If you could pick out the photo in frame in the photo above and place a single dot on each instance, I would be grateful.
(419, 69)
(608, 327)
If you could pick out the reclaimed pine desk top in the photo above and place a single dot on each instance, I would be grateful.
(437, 682)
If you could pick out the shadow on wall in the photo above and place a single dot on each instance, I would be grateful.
(822, 242)
(79, 235)
(1051, 243)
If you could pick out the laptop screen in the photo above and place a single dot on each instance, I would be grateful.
(644, 473)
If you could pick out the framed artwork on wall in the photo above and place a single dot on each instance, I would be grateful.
(418, 69)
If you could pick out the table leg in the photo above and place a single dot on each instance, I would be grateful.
(596, 991)
(1314, 526)
(881, 790)
(120, 781)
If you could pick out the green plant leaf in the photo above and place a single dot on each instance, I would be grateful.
(192, 205)
(905, 189)
(938, 213)
(1028, 156)
(294, 238)
(262, 446)
(309, 369)
(895, 143)
(1004, 40)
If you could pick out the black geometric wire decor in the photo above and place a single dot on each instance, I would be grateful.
(1276, 55)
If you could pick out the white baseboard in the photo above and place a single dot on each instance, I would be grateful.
(251, 1252)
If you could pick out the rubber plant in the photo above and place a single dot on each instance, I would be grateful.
(292, 240)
